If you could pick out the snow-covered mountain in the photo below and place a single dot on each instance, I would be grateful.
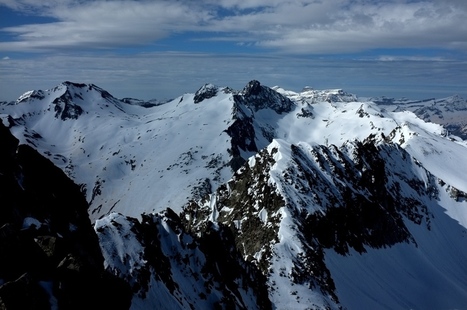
(133, 159)
(277, 199)
(451, 112)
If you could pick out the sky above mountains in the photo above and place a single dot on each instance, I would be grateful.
(160, 49)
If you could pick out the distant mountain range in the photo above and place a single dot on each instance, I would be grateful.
(262, 198)
(451, 112)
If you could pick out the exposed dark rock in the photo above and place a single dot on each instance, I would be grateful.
(248, 189)
(260, 97)
(205, 92)
(169, 251)
(243, 139)
(48, 248)
(227, 266)
(24, 293)
(143, 103)
(253, 88)
(65, 108)
(254, 97)
(77, 85)
(369, 211)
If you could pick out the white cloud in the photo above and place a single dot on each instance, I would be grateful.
(104, 24)
(360, 27)
(410, 58)
(334, 26)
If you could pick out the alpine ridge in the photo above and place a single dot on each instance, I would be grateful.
(265, 198)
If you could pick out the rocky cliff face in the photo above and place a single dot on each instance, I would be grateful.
(50, 256)
(169, 268)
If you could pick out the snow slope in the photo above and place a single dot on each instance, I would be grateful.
(128, 158)
(451, 112)
(430, 275)
(336, 123)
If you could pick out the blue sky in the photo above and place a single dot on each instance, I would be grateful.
(162, 49)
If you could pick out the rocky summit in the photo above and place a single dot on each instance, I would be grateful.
(259, 198)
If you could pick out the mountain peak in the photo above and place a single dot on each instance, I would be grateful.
(80, 87)
(260, 97)
(253, 88)
(68, 100)
(206, 91)
(74, 84)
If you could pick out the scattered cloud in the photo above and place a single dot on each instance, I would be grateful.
(411, 58)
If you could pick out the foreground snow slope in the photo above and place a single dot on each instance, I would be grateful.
(430, 275)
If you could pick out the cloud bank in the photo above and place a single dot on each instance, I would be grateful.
(168, 75)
